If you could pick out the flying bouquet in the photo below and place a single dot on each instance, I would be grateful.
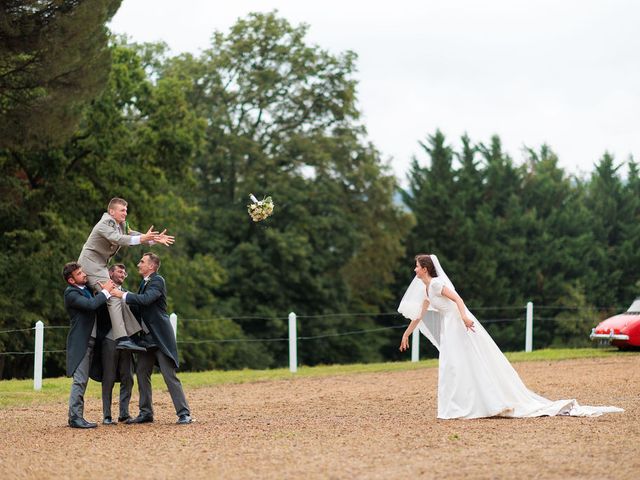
(260, 209)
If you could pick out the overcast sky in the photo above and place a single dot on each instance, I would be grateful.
(561, 72)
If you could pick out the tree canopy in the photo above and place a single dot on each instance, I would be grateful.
(54, 58)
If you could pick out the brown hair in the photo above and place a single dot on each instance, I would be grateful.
(425, 261)
(112, 268)
(116, 201)
(68, 269)
(155, 259)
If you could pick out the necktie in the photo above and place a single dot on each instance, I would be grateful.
(85, 292)
(141, 287)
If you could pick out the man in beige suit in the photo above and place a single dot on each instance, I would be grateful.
(106, 238)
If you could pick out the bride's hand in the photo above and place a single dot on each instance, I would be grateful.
(404, 343)
(468, 323)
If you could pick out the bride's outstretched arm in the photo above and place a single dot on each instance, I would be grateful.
(404, 343)
(457, 299)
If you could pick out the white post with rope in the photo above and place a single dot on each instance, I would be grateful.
(37, 357)
(173, 320)
(415, 345)
(293, 346)
(528, 342)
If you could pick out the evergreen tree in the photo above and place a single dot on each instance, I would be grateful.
(629, 256)
(54, 59)
(605, 199)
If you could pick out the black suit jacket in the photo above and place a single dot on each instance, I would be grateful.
(103, 322)
(82, 313)
(151, 307)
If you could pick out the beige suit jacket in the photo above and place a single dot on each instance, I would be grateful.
(104, 241)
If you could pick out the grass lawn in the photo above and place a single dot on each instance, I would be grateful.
(20, 392)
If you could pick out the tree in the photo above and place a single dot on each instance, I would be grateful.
(574, 324)
(630, 236)
(605, 199)
(281, 119)
(560, 236)
(54, 59)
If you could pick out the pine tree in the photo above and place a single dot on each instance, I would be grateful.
(629, 257)
(54, 59)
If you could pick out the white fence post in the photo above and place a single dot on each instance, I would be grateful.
(37, 357)
(415, 345)
(293, 347)
(528, 342)
(173, 319)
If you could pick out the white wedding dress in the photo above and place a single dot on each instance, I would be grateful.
(475, 379)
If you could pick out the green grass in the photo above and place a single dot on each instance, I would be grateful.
(20, 392)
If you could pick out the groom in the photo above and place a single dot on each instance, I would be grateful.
(150, 307)
(106, 238)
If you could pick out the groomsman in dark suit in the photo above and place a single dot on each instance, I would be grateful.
(150, 307)
(81, 306)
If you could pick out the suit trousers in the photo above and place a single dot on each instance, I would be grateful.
(123, 322)
(144, 368)
(116, 363)
(79, 383)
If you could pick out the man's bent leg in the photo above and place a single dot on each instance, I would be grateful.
(114, 304)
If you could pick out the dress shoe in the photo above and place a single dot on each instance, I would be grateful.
(81, 423)
(184, 419)
(146, 342)
(140, 419)
(108, 421)
(127, 344)
(124, 418)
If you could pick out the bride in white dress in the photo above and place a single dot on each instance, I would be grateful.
(475, 379)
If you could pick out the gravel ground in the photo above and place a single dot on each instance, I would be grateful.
(373, 426)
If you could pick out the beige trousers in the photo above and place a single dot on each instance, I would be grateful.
(123, 322)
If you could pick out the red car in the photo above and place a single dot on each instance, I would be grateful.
(622, 330)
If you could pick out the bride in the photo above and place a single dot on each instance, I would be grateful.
(475, 379)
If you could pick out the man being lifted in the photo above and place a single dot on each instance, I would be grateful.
(106, 238)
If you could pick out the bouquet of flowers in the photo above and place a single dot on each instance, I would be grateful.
(260, 209)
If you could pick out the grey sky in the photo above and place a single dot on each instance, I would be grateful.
(564, 72)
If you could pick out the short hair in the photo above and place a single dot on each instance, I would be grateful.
(116, 201)
(117, 265)
(155, 259)
(68, 269)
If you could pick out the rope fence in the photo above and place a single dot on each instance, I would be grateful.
(293, 338)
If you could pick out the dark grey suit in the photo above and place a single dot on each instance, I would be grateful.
(150, 306)
(116, 364)
(82, 313)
